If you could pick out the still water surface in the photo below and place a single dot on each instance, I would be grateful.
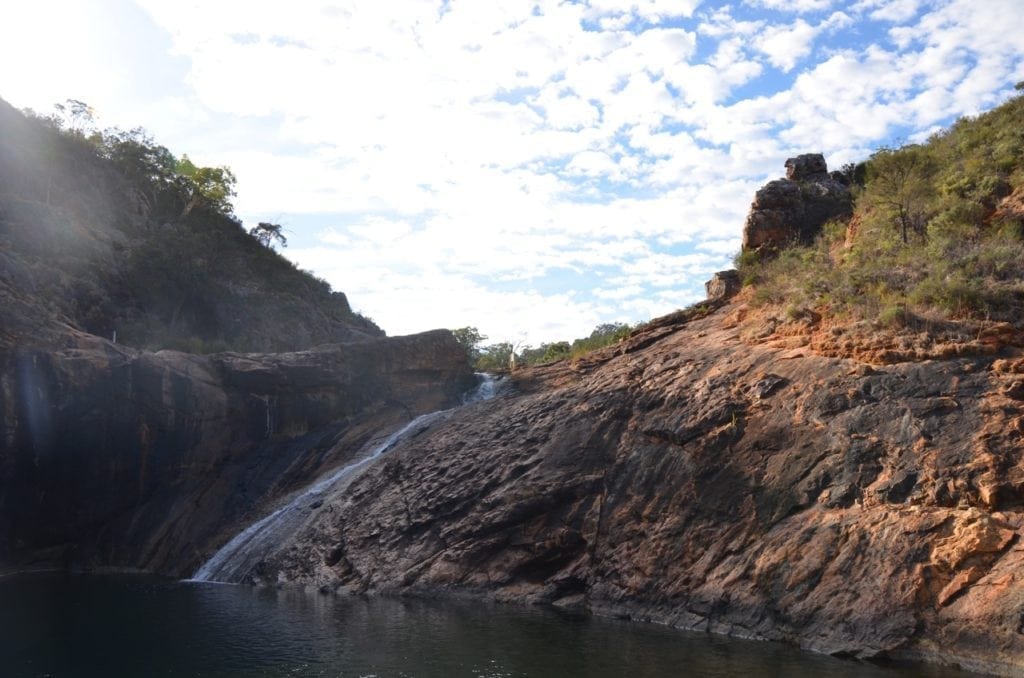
(67, 626)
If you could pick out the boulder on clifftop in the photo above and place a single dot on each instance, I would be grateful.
(794, 209)
(807, 167)
(723, 285)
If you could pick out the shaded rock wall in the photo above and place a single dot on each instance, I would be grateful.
(690, 478)
(114, 457)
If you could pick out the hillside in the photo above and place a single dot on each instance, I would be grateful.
(781, 463)
(930, 263)
(791, 460)
(100, 233)
(126, 454)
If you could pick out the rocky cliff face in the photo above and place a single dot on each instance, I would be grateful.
(767, 484)
(691, 477)
(115, 457)
(793, 209)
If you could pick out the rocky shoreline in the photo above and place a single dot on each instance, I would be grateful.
(701, 481)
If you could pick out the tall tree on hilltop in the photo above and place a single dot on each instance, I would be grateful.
(470, 339)
(267, 234)
(210, 186)
(899, 183)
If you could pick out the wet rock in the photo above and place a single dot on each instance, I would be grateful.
(113, 456)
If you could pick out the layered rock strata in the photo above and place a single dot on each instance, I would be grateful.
(690, 478)
(116, 457)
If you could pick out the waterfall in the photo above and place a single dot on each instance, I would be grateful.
(255, 542)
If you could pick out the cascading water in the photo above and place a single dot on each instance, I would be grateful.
(255, 542)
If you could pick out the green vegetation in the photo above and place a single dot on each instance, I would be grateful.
(119, 234)
(932, 237)
(503, 355)
(470, 339)
(210, 186)
(158, 177)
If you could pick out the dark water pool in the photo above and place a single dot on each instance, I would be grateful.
(75, 625)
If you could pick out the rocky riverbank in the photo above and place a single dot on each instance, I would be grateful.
(697, 479)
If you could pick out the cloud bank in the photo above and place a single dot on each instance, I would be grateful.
(531, 168)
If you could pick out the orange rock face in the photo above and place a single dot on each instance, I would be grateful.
(690, 477)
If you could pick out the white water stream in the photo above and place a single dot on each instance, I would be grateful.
(255, 542)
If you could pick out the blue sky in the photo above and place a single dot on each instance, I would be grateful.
(530, 168)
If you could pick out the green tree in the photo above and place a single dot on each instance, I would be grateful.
(898, 183)
(150, 167)
(212, 187)
(546, 353)
(470, 339)
(267, 234)
(855, 173)
(613, 331)
(495, 356)
(75, 116)
(558, 350)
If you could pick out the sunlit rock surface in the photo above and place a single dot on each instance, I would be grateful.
(691, 477)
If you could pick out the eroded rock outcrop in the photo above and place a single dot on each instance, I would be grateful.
(793, 210)
(692, 478)
(116, 457)
(723, 285)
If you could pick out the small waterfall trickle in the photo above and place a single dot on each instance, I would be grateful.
(255, 542)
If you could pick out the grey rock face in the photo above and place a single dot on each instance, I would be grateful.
(793, 210)
(806, 167)
(116, 457)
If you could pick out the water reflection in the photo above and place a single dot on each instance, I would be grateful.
(65, 625)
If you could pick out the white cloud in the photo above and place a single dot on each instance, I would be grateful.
(895, 11)
(650, 10)
(785, 44)
(793, 5)
(519, 166)
(730, 246)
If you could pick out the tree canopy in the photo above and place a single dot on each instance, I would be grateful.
(900, 184)
(470, 339)
(267, 234)
(504, 355)
(213, 187)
